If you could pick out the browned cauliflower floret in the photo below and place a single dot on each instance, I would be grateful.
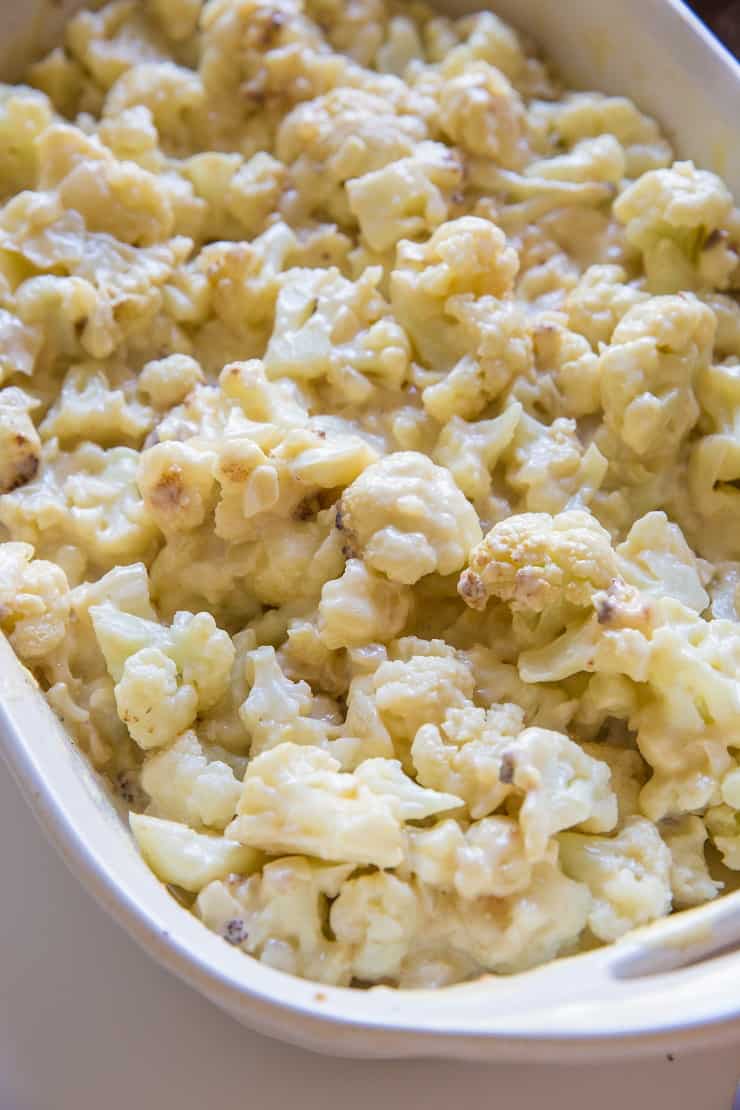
(408, 518)
(534, 560)
(20, 446)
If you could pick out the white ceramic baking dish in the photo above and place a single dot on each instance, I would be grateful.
(672, 985)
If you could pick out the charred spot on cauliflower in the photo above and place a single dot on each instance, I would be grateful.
(534, 560)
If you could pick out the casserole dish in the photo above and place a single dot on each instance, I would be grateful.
(612, 1001)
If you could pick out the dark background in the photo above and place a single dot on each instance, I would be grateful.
(723, 16)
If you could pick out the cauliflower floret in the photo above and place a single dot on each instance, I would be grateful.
(25, 114)
(167, 381)
(724, 590)
(564, 358)
(115, 198)
(656, 558)
(727, 313)
(464, 256)
(723, 825)
(678, 198)
(669, 215)
(193, 648)
(277, 710)
(88, 498)
(289, 562)
(470, 450)
(239, 196)
(629, 773)
(341, 135)
(534, 560)
(177, 483)
(62, 317)
(279, 916)
(480, 112)
(648, 370)
(691, 882)
(494, 341)
(689, 704)
(563, 787)
(361, 607)
(184, 785)
(730, 789)
(613, 640)
(149, 701)
(113, 40)
(714, 462)
(20, 446)
(203, 654)
(401, 47)
(378, 916)
(471, 755)
(411, 692)
(126, 588)
(409, 801)
(487, 859)
(684, 728)
(62, 78)
(304, 655)
(172, 94)
(511, 934)
(629, 876)
(89, 409)
(598, 159)
(191, 860)
(456, 43)
(549, 468)
(599, 301)
(354, 29)
(238, 284)
(587, 114)
(329, 327)
(464, 754)
(34, 601)
(548, 706)
(20, 344)
(280, 402)
(325, 455)
(251, 485)
(408, 518)
(132, 136)
(405, 199)
(295, 799)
